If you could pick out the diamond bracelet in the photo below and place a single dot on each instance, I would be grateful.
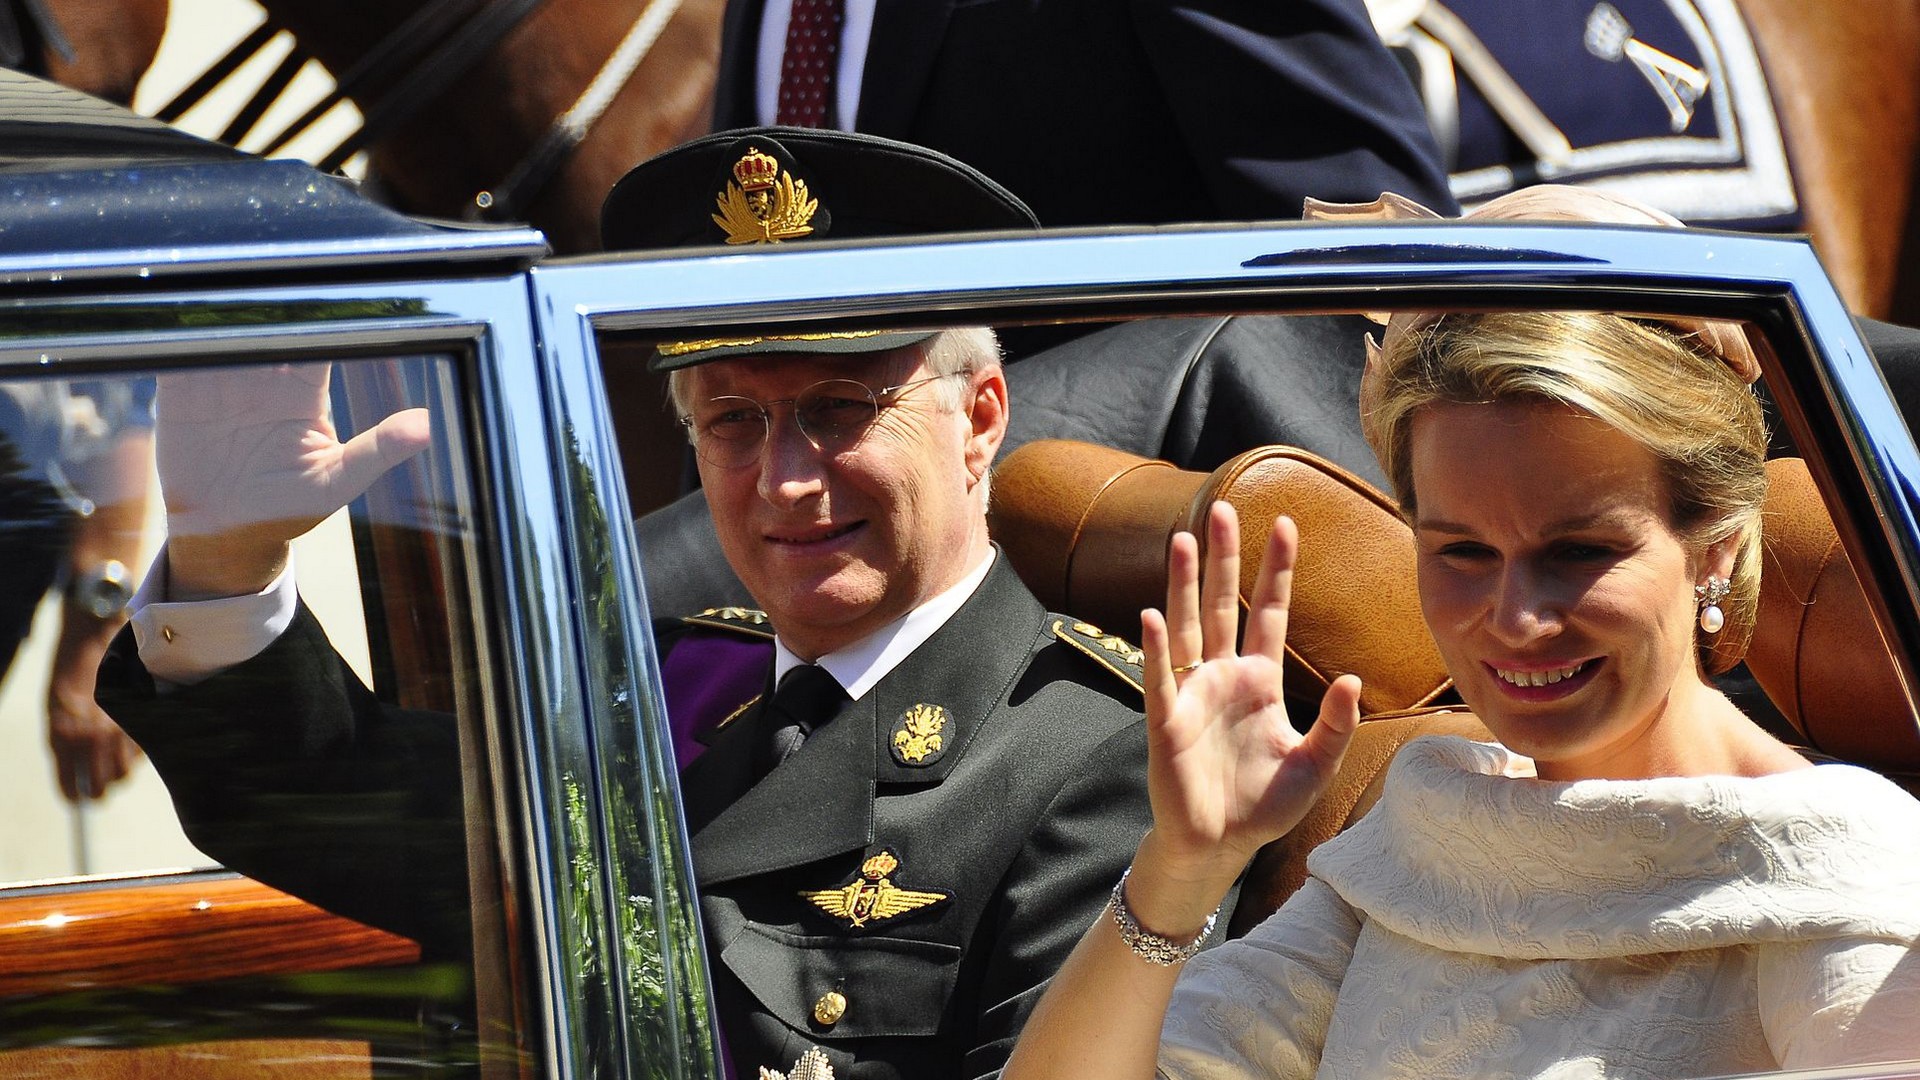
(1146, 944)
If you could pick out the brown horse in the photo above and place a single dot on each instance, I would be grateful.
(1846, 80)
(1845, 83)
(112, 42)
(472, 136)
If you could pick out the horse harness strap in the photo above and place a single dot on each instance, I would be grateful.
(528, 178)
(407, 68)
(28, 31)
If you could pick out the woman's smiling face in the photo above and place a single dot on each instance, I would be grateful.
(1554, 581)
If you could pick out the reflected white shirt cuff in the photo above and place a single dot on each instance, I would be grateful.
(185, 643)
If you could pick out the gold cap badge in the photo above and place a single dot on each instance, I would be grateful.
(764, 204)
(919, 736)
(873, 896)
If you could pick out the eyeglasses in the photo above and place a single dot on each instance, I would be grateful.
(833, 415)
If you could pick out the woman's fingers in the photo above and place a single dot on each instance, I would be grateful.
(1326, 742)
(1273, 592)
(1183, 601)
(1220, 588)
(1162, 689)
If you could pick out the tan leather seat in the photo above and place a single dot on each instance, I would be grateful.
(1816, 649)
(1087, 527)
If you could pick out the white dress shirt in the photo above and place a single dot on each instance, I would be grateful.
(186, 643)
(857, 667)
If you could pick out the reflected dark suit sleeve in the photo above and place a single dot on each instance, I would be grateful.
(287, 769)
(1279, 101)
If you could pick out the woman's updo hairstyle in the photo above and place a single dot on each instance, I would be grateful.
(1680, 387)
(1663, 389)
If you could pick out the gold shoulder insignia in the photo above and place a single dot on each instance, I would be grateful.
(873, 896)
(764, 204)
(1116, 654)
(739, 620)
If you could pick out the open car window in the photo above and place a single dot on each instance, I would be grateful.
(1211, 393)
(124, 949)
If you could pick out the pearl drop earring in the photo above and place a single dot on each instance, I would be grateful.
(1709, 597)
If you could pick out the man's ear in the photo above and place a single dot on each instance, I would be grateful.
(986, 419)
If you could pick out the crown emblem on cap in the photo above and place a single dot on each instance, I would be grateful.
(756, 171)
(764, 204)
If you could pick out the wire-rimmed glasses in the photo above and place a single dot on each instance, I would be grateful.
(833, 414)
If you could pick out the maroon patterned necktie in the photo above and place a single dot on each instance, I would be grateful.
(807, 68)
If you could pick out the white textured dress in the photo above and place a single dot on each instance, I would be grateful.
(1482, 923)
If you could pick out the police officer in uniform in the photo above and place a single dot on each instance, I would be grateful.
(909, 788)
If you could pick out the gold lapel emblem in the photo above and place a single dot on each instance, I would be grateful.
(764, 204)
(919, 735)
(873, 896)
(813, 1065)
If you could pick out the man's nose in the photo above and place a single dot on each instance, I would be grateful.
(791, 466)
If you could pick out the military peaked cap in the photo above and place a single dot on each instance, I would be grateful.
(780, 185)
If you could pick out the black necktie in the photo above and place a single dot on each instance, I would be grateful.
(806, 698)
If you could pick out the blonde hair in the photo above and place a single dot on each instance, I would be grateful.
(1660, 388)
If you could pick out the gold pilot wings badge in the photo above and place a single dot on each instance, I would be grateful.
(763, 203)
(873, 897)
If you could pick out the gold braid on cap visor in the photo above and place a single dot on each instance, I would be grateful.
(672, 349)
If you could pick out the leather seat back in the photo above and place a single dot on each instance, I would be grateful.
(1816, 649)
(1087, 527)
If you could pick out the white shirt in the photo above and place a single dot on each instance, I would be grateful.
(856, 28)
(857, 667)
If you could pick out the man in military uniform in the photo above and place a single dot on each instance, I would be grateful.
(910, 788)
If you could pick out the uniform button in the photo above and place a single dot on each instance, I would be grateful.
(830, 1008)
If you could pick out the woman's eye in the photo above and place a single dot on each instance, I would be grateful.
(1585, 553)
(1461, 552)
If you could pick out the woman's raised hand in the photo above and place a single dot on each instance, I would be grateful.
(1227, 771)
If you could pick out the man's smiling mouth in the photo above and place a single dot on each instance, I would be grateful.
(816, 535)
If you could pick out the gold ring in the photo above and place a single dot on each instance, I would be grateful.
(1184, 668)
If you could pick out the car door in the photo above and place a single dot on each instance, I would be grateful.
(477, 928)
(1831, 405)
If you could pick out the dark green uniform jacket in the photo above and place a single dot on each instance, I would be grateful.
(930, 856)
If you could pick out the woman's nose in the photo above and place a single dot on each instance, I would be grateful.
(1525, 606)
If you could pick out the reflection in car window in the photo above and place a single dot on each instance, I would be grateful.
(294, 948)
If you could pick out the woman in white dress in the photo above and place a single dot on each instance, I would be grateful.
(1637, 881)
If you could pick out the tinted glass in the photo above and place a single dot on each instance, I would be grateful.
(329, 891)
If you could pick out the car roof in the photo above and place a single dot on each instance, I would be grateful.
(104, 190)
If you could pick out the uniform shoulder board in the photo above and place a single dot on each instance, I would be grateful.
(1116, 654)
(744, 621)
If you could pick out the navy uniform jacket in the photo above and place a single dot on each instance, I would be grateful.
(1108, 112)
(1017, 826)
